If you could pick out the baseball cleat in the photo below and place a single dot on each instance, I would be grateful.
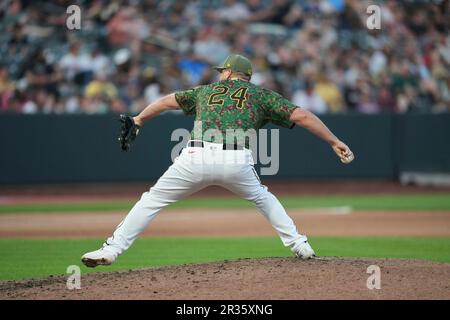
(304, 251)
(97, 258)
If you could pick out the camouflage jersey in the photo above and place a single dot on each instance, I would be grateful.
(227, 111)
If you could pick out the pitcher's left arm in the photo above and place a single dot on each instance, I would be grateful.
(155, 108)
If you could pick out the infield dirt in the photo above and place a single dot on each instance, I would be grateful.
(205, 222)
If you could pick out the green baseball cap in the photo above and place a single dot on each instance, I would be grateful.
(236, 62)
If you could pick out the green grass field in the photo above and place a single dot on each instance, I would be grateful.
(21, 259)
(41, 258)
(405, 202)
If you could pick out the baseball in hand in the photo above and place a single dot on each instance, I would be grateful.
(348, 158)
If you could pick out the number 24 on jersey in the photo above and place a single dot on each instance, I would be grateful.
(239, 96)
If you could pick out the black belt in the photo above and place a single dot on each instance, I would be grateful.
(225, 146)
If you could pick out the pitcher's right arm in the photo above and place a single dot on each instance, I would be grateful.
(311, 122)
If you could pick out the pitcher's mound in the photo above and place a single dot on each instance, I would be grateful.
(269, 278)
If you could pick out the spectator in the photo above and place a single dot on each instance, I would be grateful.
(72, 62)
(233, 11)
(366, 103)
(73, 104)
(403, 67)
(283, 12)
(309, 99)
(386, 100)
(101, 88)
(95, 63)
(330, 94)
(152, 86)
(210, 46)
(126, 26)
(193, 69)
(6, 89)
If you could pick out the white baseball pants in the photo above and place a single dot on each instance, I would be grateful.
(195, 169)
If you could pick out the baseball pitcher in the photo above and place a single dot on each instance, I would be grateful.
(217, 154)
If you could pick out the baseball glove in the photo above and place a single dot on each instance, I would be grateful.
(128, 131)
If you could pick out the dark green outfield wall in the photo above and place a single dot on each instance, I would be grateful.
(79, 148)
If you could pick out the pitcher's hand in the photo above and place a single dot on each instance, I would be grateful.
(343, 152)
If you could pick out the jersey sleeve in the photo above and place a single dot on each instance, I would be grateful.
(278, 109)
(187, 100)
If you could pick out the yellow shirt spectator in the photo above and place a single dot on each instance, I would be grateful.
(101, 88)
(330, 94)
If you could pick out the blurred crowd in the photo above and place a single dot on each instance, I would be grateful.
(318, 53)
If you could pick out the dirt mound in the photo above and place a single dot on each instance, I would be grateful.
(269, 278)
